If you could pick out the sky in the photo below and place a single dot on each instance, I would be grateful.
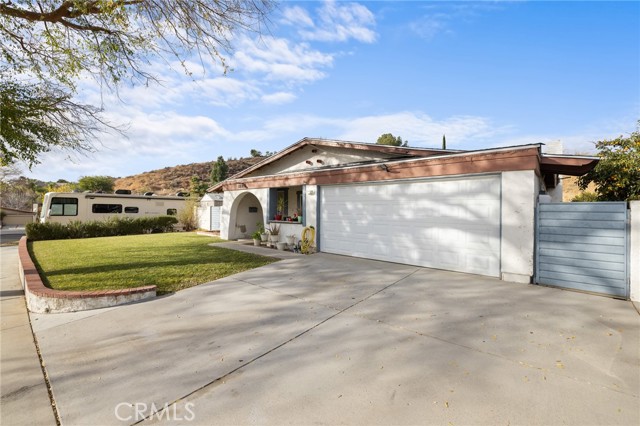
(485, 74)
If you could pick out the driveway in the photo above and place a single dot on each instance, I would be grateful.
(327, 339)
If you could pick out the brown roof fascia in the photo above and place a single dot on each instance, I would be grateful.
(16, 210)
(466, 163)
(567, 165)
(417, 152)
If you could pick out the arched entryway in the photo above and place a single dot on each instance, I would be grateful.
(245, 217)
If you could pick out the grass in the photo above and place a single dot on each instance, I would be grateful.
(172, 262)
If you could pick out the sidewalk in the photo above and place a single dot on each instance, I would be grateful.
(24, 397)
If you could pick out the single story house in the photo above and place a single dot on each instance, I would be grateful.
(16, 217)
(469, 211)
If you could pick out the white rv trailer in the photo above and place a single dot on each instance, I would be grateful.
(64, 207)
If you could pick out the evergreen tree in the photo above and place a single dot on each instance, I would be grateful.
(219, 171)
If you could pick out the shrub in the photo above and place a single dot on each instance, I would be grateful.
(47, 231)
(97, 228)
(585, 197)
(188, 216)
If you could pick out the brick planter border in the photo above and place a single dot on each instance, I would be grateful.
(42, 299)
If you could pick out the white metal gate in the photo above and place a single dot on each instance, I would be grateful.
(583, 246)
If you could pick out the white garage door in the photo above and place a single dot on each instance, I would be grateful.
(451, 224)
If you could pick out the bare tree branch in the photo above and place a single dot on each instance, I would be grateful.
(55, 42)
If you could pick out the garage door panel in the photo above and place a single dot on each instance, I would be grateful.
(448, 224)
(481, 240)
(478, 263)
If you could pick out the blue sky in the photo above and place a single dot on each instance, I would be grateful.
(485, 74)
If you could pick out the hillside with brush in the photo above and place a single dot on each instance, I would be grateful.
(171, 180)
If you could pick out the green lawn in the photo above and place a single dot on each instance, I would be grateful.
(172, 262)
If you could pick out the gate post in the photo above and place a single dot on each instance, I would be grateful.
(634, 261)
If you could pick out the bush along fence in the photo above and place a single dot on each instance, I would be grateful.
(107, 228)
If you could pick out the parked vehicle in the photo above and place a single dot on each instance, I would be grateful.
(64, 207)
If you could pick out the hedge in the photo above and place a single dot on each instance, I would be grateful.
(100, 228)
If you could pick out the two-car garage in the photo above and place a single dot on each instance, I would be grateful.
(468, 211)
(445, 223)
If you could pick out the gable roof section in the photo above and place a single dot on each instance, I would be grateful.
(410, 163)
(445, 163)
(398, 150)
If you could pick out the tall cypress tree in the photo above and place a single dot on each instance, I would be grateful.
(219, 171)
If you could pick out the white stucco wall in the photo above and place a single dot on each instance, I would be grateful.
(519, 193)
(311, 208)
(634, 266)
(292, 228)
(242, 217)
(556, 193)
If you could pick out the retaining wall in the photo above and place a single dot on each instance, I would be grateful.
(42, 299)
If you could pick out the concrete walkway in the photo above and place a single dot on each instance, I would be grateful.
(327, 339)
(24, 400)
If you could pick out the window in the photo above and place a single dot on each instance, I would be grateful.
(172, 212)
(106, 208)
(299, 201)
(131, 210)
(64, 206)
(282, 201)
(285, 203)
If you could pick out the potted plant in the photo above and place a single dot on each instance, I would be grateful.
(299, 216)
(256, 238)
(291, 239)
(280, 208)
(263, 234)
(274, 233)
(281, 245)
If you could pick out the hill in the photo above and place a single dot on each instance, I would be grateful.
(570, 188)
(178, 178)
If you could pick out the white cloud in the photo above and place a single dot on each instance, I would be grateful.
(428, 27)
(223, 91)
(160, 139)
(154, 140)
(267, 68)
(336, 21)
(278, 59)
(296, 16)
(278, 98)
(421, 130)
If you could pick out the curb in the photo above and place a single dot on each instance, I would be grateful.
(42, 299)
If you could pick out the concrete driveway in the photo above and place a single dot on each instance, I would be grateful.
(333, 340)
